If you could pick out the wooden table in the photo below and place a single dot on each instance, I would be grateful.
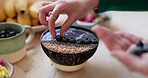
(102, 65)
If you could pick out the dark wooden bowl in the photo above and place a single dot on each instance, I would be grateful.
(69, 59)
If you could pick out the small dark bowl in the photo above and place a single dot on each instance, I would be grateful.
(69, 59)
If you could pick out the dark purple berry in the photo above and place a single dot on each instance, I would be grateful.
(79, 41)
(94, 41)
(65, 39)
(2, 36)
(72, 40)
(8, 35)
(87, 41)
(59, 38)
(137, 51)
(139, 44)
(3, 32)
(7, 31)
(2, 62)
(12, 33)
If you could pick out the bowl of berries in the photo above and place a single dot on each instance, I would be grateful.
(92, 19)
(71, 51)
(6, 69)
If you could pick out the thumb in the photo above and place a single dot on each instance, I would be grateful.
(129, 60)
(103, 33)
(106, 35)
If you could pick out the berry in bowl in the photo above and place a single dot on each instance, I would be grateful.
(7, 33)
(6, 69)
(71, 51)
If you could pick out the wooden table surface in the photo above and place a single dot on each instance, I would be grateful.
(102, 65)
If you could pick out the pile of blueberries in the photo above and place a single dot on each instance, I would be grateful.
(86, 40)
(140, 48)
(7, 33)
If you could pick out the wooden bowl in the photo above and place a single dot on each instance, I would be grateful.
(68, 61)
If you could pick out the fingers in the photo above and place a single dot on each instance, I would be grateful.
(131, 48)
(132, 62)
(51, 25)
(52, 18)
(43, 12)
(105, 34)
(46, 11)
(67, 25)
(112, 40)
(132, 38)
(42, 17)
(57, 8)
(116, 42)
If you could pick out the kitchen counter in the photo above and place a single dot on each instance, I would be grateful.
(102, 65)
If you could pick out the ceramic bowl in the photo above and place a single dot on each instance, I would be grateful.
(8, 66)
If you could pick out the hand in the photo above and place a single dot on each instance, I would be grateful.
(73, 8)
(2, 2)
(120, 43)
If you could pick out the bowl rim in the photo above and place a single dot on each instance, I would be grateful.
(85, 29)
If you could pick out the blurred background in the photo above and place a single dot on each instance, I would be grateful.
(24, 12)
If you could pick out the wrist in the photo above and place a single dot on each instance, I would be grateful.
(92, 4)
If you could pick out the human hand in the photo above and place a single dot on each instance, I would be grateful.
(120, 44)
(75, 9)
(2, 2)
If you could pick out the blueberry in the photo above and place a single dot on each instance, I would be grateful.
(72, 40)
(87, 40)
(137, 51)
(65, 39)
(95, 41)
(8, 35)
(3, 32)
(59, 38)
(2, 36)
(79, 41)
(12, 33)
(139, 44)
(7, 31)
